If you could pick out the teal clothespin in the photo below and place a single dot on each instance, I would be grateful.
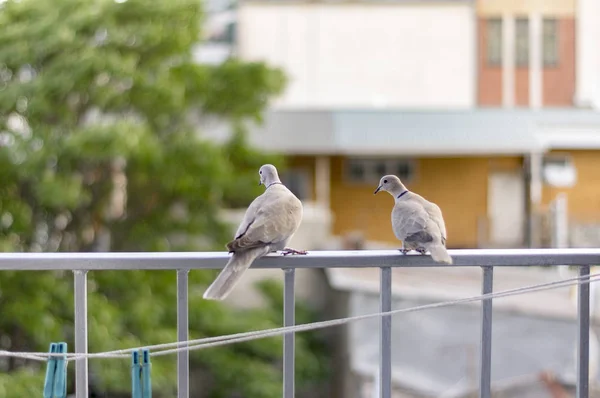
(55, 385)
(146, 380)
(50, 368)
(141, 382)
(136, 382)
(60, 374)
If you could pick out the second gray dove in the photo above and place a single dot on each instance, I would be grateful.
(417, 222)
(269, 223)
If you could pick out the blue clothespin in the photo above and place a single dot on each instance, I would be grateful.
(136, 369)
(55, 385)
(141, 383)
(60, 374)
(50, 368)
(146, 380)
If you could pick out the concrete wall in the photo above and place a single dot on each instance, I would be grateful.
(365, 54)
(588, 52)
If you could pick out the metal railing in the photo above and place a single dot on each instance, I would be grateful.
(182, 263)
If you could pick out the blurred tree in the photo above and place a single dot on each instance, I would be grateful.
(98, 151)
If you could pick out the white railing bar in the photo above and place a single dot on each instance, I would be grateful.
(183, 357)
(385, 334)
(289, 319)
(314, 259)
(485, 366)
(81, 333)
(583, 335)
(80, 263)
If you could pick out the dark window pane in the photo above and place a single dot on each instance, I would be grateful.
(522, 41)
(356, 171)
(494, 41)
(380, 169)
(404, 170)
(550, 42)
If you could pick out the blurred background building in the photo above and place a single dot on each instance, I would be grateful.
(488, 108)
(488, 104)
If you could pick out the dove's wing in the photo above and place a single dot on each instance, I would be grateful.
(419, 223)
(408, 218)
(275, 220)
(436, 216)
(250, 215)
(435, 213)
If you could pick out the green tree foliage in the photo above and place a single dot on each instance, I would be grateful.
(98, 151)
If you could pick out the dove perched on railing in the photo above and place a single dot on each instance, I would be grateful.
(417, 222)
(269, 223)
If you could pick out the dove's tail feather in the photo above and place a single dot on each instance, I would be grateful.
(233, 271)
(440, 254)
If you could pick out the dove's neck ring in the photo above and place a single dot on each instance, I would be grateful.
(402, 194)
(273, 183)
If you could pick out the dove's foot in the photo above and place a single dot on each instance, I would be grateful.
(422, 250)
(289, 250)
(404, 251)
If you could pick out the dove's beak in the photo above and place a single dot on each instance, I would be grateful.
(377, 190)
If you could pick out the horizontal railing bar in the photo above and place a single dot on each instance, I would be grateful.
(314, 259)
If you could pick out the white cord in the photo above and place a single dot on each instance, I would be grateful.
(190, 345)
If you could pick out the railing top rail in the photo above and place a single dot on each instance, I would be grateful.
(314, 259)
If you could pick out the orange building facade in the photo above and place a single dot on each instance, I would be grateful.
(526, 53)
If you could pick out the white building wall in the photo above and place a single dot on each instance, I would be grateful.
(365, 55)
(588, 53)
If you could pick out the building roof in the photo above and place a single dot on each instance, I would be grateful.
(481, 131)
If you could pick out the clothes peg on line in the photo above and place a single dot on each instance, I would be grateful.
(55, 385)
(146, 380)
(136, 382)
(141, 382)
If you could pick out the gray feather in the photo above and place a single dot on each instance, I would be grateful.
(232, 273)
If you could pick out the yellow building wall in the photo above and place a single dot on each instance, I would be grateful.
(457, 185)
(584, 197)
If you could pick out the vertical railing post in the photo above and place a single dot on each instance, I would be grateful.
(583, 333)
(485, 365)
(183, 357)
(385, 336)
(289, 319)
(81, 333)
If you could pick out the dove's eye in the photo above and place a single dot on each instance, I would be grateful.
(385, 181)
(260, 172)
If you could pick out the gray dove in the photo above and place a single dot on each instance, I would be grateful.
(269, 223)
(417, 222)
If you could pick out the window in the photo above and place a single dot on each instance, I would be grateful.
(550, 42)
(556, 160)
(494, 41)
(298, 181)
(559, 170)
(522, 41)
(369, 171)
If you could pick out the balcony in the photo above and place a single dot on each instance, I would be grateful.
(181, 263)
